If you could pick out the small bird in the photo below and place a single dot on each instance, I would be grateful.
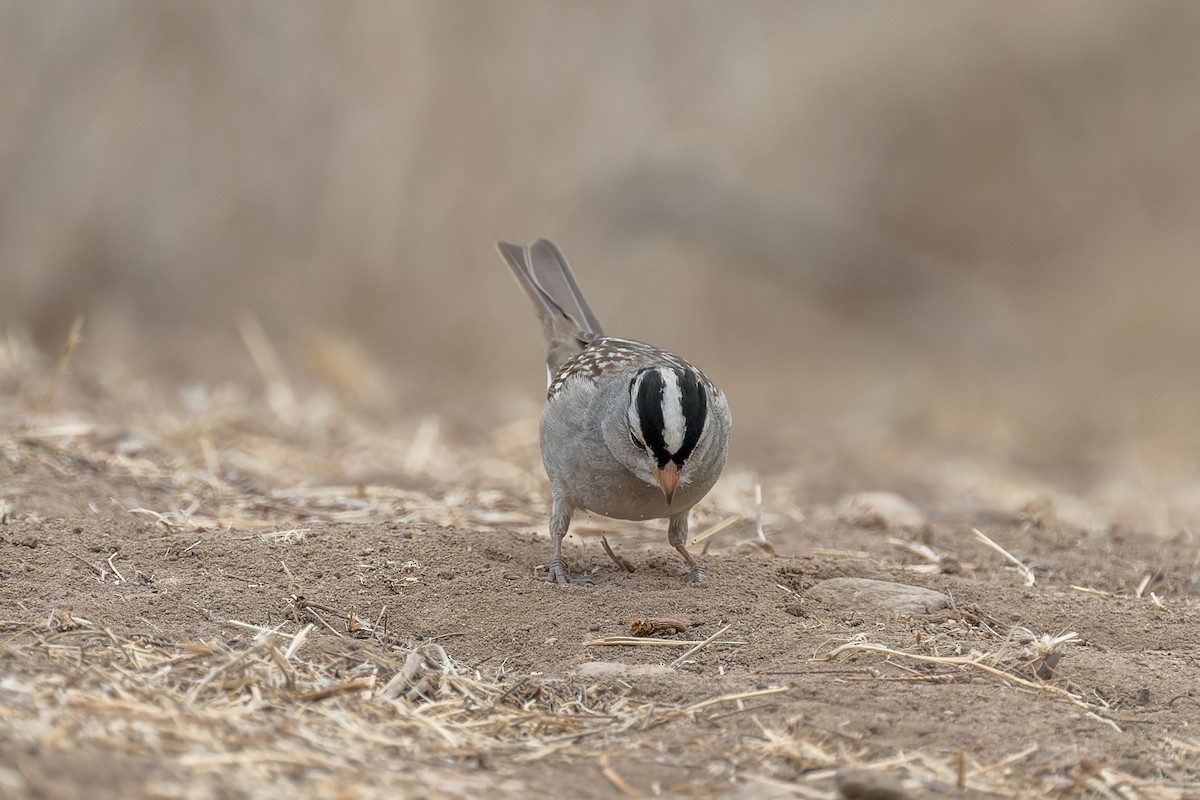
(629, 431)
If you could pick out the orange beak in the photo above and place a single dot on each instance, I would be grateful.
(668, 479)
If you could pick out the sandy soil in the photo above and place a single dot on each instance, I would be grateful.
(420, 658)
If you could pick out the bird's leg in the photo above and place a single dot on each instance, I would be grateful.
(677, 534)
(560, 521)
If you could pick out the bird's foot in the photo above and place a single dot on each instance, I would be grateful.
(558, 574)
(696, 576)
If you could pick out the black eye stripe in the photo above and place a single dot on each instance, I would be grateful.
(633, 434)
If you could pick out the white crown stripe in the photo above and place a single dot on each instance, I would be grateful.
(674, 424)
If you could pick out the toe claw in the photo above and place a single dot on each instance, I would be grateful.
(558, 574)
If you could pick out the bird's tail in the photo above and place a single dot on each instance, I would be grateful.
(567, 320)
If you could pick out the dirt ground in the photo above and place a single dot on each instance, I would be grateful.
(217, 597)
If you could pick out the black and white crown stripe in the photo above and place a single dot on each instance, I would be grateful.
(668, 409)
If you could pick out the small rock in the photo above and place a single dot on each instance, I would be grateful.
(856, 783)
(615, 669)
(755, 788)
(751, 546)
(898, 598)
(886, 511)
(864, 784)
(1039, 512)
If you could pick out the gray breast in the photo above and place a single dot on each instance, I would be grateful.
(583, 470)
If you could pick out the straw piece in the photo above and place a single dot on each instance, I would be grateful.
(74, 337)
(615, 779)
(973, 663)
(636, 641)
(1021, 567)
(679, 661)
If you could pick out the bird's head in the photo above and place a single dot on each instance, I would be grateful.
(668, 415)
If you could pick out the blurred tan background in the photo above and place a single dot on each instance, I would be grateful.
(967, 229)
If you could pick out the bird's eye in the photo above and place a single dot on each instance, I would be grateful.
(633, 437)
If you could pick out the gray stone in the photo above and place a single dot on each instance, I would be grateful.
(898, 598)
(886, 511)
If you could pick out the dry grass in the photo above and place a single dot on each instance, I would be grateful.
(258, 713)
(1038, 653)
(264, 709)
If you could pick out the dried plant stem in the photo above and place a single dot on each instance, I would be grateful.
(280, 396)
(621, 563)
(635, 641)
(972, 663)
(73, 339)
(1021, 567)
(679, 661)
(713, 531)
(615, 779)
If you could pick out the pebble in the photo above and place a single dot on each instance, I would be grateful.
(886, 511)
(865, 784)
(615, 669)
(898, 598)
(857, 783)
